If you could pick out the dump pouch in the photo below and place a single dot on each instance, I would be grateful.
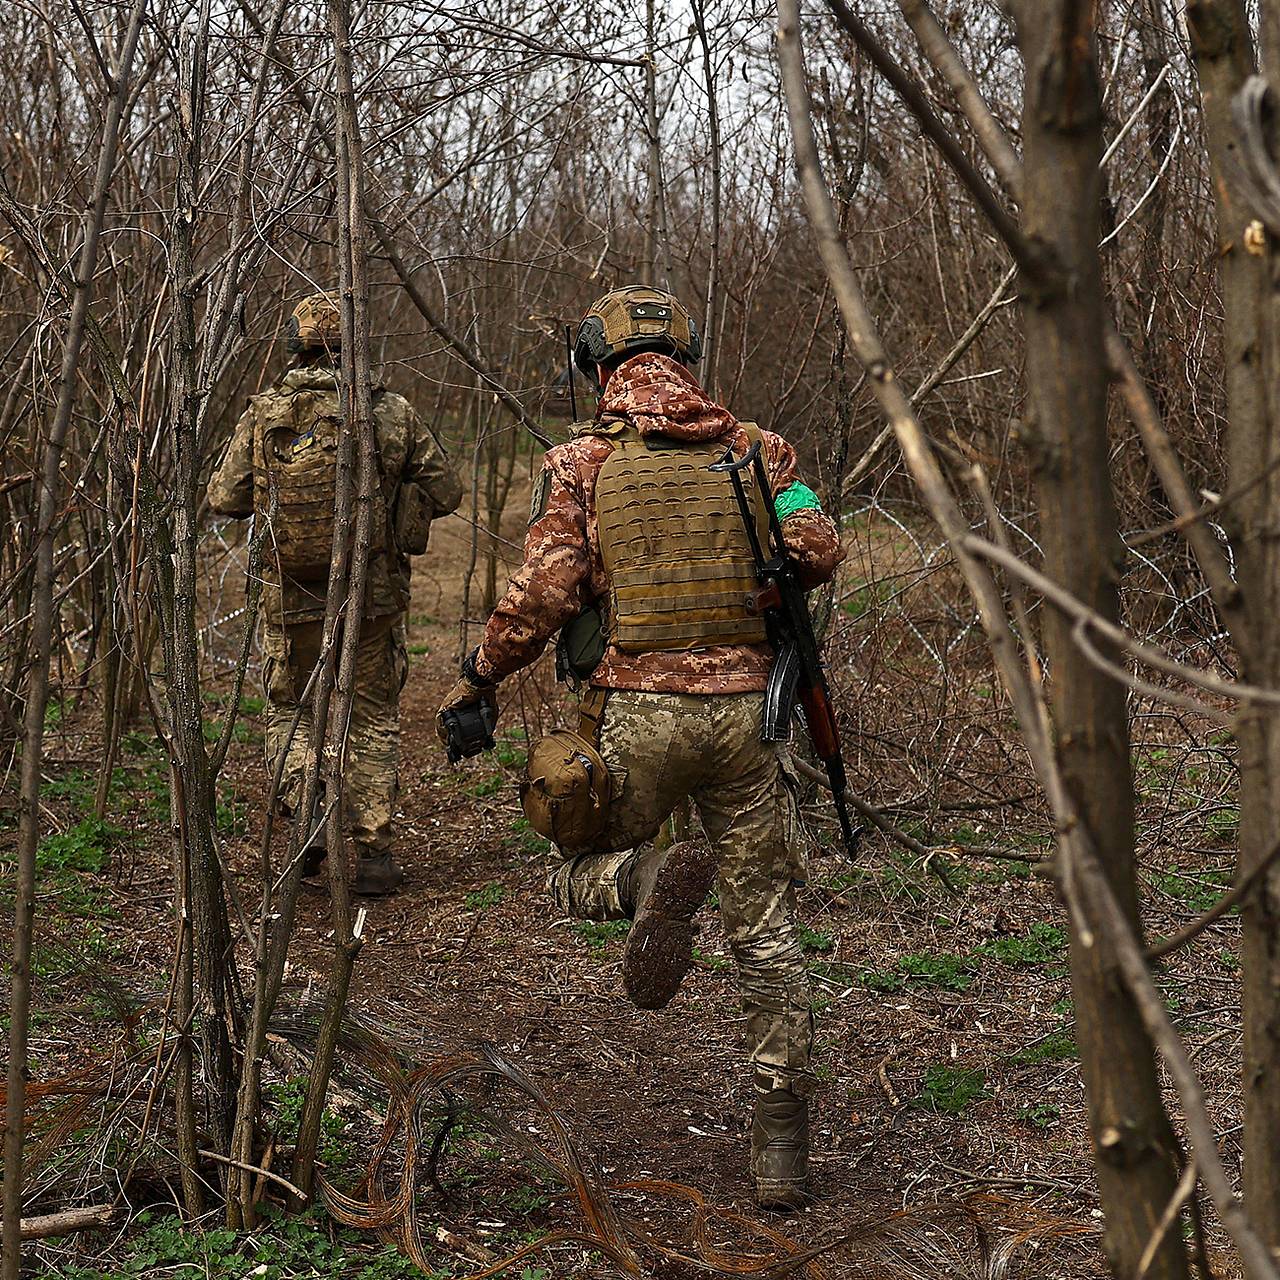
(567, 790)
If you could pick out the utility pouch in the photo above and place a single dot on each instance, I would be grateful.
(580, 647)
(412, 522)
(567, 790)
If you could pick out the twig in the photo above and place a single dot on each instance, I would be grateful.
(1226, 903)
(245, 1167)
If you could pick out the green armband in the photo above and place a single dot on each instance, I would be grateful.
(795, 497)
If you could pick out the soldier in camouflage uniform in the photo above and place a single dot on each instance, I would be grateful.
(417, 482)
(680, 721)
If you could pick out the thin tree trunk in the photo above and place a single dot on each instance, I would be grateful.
(1065, 318)
(38, 683)
(193, 801)
(353, 265)
(709, 335)
(1222, 48)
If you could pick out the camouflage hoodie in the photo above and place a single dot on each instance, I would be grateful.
(409, 452)
(563, 569)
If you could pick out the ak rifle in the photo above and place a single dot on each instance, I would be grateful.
(797, 667)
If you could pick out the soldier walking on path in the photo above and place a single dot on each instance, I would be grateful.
(632, 530)
(280, 468)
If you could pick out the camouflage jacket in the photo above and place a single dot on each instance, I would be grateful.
(563, 569)
(409, 453)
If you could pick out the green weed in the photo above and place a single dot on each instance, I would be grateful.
(487, 786)
(813, 940)
(712, 961)
(1040, 1115)
(1198, 892)
(599, 933)
(1057, 1046)
(949, 972)
(419, 650)
(85, 847)
(285, 1102)
(949, 1090)
(483, 899)
(76, 786)
(283, 1248)
(1041, 944)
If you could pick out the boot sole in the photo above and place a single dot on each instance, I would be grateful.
(783, 1197)
(659, 948)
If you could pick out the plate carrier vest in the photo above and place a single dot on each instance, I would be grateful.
(675, 551)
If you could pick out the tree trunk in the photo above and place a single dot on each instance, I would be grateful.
(1065, 318)
(1222, 48)
(38, 684)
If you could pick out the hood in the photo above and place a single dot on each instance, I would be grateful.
(659, 396)
(316, 377)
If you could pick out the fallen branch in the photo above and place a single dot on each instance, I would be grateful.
(65, 1222)
(898, 836)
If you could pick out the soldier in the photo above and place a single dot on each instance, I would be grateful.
(280, 468)
(628, 518)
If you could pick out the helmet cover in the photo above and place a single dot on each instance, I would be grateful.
(633, 318)
(315, 324)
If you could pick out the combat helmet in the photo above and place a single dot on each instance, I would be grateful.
(314, 325)
(636, 318)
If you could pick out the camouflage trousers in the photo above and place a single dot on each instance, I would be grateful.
(663, 749)
(371, 778)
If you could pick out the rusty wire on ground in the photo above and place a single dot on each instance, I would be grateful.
(475, 1090)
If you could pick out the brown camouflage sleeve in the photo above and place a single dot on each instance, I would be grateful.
(428, 465)
(813, 542)
(811, 536)
(546, 591)
(231, 485)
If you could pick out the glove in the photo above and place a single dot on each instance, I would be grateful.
(470, 688)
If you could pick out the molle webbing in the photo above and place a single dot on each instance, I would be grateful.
(675, 552)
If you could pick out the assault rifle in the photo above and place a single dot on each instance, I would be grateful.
(797, 668)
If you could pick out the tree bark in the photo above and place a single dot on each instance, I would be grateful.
(42, 632)
(1222, 48)
(1065, 319)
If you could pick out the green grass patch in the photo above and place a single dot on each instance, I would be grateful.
(949, 1090)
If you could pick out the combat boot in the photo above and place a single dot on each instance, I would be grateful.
(780, 1146)
(377, 875)
(666, 889)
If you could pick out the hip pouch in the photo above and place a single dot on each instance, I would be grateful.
(567, 790)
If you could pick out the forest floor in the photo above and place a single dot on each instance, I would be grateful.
(946, 1040)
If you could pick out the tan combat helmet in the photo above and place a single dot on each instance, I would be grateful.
(636, 318)
(315, 325)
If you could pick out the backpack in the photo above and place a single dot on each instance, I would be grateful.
(295, 477)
